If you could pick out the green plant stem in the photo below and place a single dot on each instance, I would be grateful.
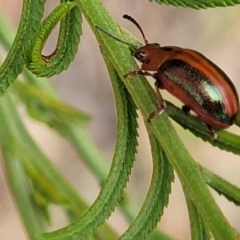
(88, 152)
(15, 173)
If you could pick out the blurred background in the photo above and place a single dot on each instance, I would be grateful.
(214, 32)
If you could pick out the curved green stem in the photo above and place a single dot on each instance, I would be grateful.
(67, 45)
(32, 13)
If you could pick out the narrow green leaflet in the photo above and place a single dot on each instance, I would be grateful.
(19, 187)
(198, 228)
(157, 197)
(223, 187)
(47, 109)
(226, 141)
(198, 4)
(12, 66)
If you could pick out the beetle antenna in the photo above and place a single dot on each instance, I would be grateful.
(131, 19)
(115, 38)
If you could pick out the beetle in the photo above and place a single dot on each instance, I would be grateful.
(189, 76)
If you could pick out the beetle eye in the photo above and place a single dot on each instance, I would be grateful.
(139, 55)
(157, 44)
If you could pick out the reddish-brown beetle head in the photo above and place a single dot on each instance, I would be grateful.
(143, 53)
(146, 54)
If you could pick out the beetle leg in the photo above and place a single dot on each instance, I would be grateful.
(137, 73)
(161, 103)
(212, 133)
(158, 82)
(186, 109)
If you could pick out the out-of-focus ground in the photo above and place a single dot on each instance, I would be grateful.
(86, 85)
